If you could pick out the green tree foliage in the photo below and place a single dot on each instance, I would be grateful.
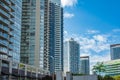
(99, 68)
(108, 78)
(117, 77)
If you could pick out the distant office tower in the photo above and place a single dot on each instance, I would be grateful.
(115, 51)
(55, 36)
(10, 29)
(84, 65)
(71, 56)
(35, 33)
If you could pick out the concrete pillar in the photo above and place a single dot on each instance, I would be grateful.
(59, 75)
(0, 69)
(10, 77)
(36, 74)
(25, 72)
(10, 70)
(68, 76)
(10, 67)
(0, 65)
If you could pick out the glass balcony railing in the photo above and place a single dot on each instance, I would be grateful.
(4, 42)
(7, 1)
(4, 13)
(5, 6)
(5, 50)
(12, 8)
(4, 28)
(4, 20)
(12, 1)
(4, 35)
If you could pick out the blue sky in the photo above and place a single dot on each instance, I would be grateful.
(95, 24)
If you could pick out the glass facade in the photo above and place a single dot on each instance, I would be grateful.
(10, 29)
(56, 36)
(84, 65)
(34, 40)
(115, 51)
(28, 31)
(71, 56)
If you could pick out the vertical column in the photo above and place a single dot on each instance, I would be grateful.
(10, 70)
(0, 65)
(36, 74)
(25, 72)
(0, 68)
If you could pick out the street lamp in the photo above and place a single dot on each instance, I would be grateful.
(53, 66)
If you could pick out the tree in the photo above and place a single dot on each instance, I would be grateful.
(117, 77)
(99, 68)
(108, 78)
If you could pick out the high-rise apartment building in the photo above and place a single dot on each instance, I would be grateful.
(71, 56)
(115, 51)
(84, 65)
(42, 34)
(35, 33)
(10, 29)
(55, 36)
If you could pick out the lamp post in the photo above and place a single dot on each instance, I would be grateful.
(53, 66)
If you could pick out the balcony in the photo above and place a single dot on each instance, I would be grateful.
(3, 50)
(5, 21)
(12, 14)
(11, 21)
(12, 8)
(3, 43)
(6, 29)
(4, 13)
(5, 7)
(4, 36)
(7, 2)
(10, 47)
(12, 2)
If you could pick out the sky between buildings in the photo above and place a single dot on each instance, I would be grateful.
(95, 24)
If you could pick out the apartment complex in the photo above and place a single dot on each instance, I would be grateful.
(84, 65)
(10, 29)
(115, 51)
(71, 56)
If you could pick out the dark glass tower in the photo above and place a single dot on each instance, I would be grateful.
(56, 36)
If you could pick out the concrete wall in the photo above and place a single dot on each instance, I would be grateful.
(87, 77)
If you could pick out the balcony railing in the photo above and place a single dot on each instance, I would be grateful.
(4, 20)
(4, 13)
(5, 6)
(4, 28)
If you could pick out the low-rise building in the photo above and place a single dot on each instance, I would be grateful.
(112, 67)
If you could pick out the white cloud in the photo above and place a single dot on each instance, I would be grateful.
(68, 15)
(116, 30)
(68, 2)
(100, 38)
(92, 31)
